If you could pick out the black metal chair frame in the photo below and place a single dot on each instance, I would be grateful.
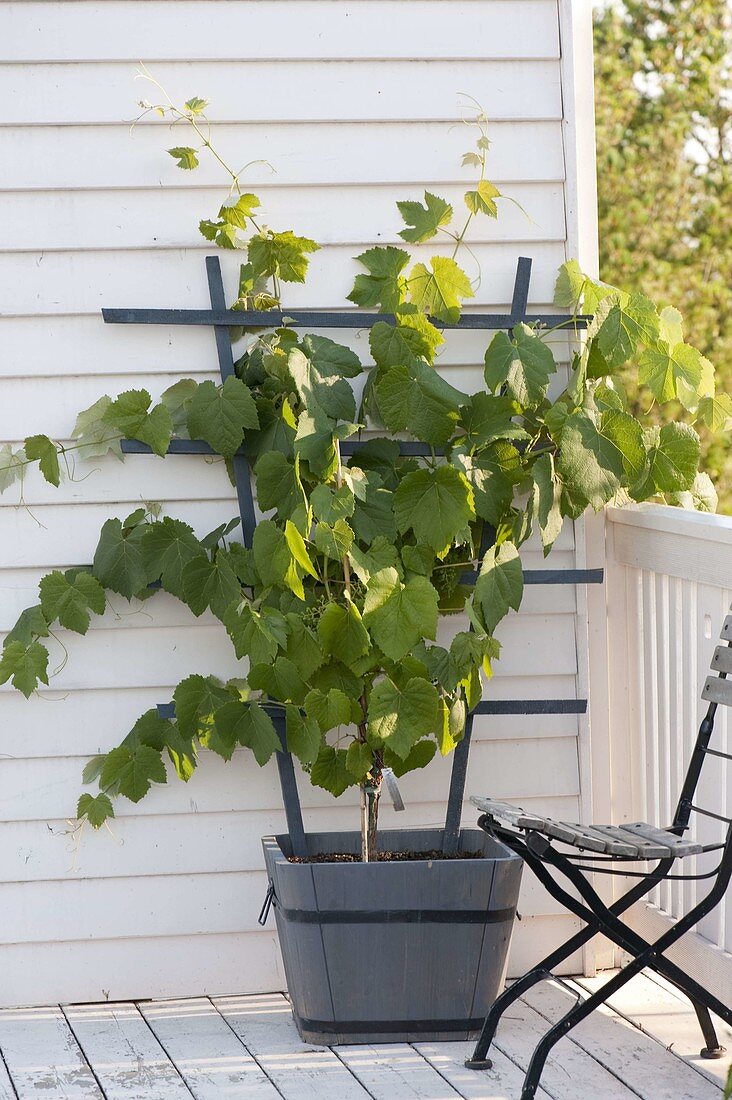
(546, 861)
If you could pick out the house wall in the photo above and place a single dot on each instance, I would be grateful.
(354, 105)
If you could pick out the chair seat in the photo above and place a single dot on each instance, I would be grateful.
(636, 841)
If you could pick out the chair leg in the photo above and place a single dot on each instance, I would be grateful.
(712, 1047)
(544, 969)
(575, 1015)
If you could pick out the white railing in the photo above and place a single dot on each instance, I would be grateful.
(669, 587)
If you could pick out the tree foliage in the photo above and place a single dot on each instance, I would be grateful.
(664, 160)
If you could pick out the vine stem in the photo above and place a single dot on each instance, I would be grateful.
(370, 792)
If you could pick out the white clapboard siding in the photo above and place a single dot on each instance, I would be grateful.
(162, 219)
(43, 157)
(64, 346)
(345, 107)
(340, 91)
(319, 29)
(83, 282)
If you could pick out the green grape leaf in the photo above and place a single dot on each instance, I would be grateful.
(96, 809)
(398, 345)
(385, 285)
(399, 615)
(374, 515)
(132, 772)
(70, 596)
(589, 464)
(31, 624)
(436, 504)
(546, 502)
(238, 209)
(196, 105)
(702, 496)
(330, 771)
(282, 254)
(330, 505)
(716, 412)
(304, 738)
(418, 559)
(451, 724)
(24, 665)
(342, 633)
(483, 199)
(303, 647)
(297, 548)
(247, 724)
(359, 759)
(95, 435)
(184, 156)
(418, 756)
(493, 474)
(329, 709)
(625, 433)
(336, 541)
(524, 365)
(167, 547)
(417, 399)
(441, 290)
(118, 559)
(221, 414)
(43, 450)
(569, 286)
(663, 368)
(280, 680)
(278, 485)
(320, 370)
(673, 461)
(12, 466)
(221, 233)
(398, 717)
(274, 559)
(408, 316)
(132, 417)
(257, 635)
(381, 554)
(621, 325)
(500, 584)
(197, 699)
(207, 583)
(488, 418)
(149, 729)
(424, 221)
(176, 400)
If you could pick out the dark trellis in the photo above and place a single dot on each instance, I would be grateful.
(221, 320)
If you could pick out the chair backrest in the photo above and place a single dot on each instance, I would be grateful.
(717, 691)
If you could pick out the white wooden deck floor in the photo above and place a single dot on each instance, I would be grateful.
(246, 1048)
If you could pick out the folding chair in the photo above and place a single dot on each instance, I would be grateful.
(535, 839)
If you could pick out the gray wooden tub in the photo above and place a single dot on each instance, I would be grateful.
(393, 952)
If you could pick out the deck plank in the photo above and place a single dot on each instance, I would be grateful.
(636, 1058)
(42, 1055)
(299, 1071)
(126, 1057)
(502, 1082)
(396, 1070)
(570, 1073)
(210, 1058)
(666, 1015)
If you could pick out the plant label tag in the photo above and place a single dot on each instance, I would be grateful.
(393, 788)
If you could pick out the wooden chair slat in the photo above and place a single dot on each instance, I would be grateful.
(677, 844)
(716, 690)
(722, 659)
